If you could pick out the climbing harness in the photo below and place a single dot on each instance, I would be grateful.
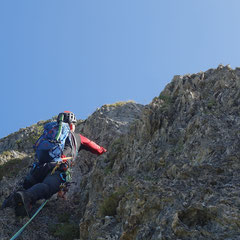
(17, 234)
(55, 168)
(64, 161)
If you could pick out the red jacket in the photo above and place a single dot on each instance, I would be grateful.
(80, 142)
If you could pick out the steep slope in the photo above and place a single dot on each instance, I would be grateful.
(16, 154)
(175, 174)
(171, 170)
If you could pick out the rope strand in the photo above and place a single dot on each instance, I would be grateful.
(18, 233)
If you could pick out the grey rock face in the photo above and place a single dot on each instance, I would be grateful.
(171, 170)
(103, 126)
(174, 174)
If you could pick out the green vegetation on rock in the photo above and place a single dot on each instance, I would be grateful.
(13, 167)
(38, 130)
(110, 203)
(118, 104)
(66, 229)
(167, 99)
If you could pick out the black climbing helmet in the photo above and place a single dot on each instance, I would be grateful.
(67, 117)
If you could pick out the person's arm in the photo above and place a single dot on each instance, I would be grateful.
(91, 146)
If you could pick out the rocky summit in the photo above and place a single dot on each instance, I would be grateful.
(171, 171)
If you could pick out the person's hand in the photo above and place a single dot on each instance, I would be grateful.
(64, 159)
(103, 150)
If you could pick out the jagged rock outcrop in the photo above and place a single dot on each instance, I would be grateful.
(171, 170)
(103, 126)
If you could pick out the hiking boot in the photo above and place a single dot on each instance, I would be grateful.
(8, 202)
(22, 204)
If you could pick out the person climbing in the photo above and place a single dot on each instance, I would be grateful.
(56, 150)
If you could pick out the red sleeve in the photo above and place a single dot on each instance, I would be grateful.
(91, 146)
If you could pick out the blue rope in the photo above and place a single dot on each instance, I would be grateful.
(25, 225)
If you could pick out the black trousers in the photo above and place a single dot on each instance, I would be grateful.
(41, 184)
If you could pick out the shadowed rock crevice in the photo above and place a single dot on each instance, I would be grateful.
(194, 217)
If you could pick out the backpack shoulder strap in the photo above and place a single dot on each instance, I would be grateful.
(73, 145)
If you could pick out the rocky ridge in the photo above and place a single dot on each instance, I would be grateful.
(171, 170)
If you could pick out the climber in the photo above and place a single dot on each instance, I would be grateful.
(56, 151)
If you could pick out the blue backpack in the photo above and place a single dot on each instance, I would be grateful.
(49, 147)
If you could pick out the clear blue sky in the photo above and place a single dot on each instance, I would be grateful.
(77, 55)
